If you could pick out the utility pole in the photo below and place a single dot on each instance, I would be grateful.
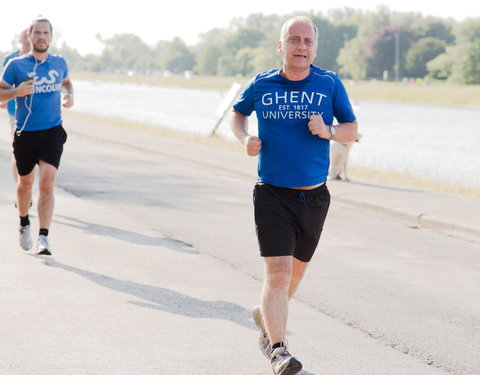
(397, 56)
(345, 68)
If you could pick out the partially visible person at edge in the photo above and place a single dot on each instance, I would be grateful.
(295, 106)
(24, 43)
(36, 81)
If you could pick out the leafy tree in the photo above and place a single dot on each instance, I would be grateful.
(266, 59)
(265, 55)
(465, 68)
(207, 52)
(243, 38)
(158, 54)
(331, 39)
(231, 51)
(381, 50)
(441, 66)
(176, 57)
(357, 44)
(226, 66)
(435, 28)
(467, 31)
(244, 61)
(93, 63)
(420, 54)
(467, 36)
(351, 66)
(206, 60)
(124, 52)
(242, 45)
(352, 58)
(73, 57)
(460, 62)
(471, 63)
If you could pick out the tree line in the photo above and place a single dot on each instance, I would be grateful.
(357, 44)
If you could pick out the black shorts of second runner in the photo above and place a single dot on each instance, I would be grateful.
(289, 221)
(31, 147)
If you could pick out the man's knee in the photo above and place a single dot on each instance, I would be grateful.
(279, 271)
(46, 186)
(47, 178)
(25, 182)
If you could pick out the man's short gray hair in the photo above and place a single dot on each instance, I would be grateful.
(287, 24)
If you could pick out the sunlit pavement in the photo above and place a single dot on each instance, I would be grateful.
(155, 270)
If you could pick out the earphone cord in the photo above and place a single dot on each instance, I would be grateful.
(29, 107)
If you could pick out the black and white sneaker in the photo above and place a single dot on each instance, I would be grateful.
(263, 341)
(43, 248)
(283, 363)
(25, 238)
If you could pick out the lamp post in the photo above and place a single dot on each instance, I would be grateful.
(397, 56)
(345, 68)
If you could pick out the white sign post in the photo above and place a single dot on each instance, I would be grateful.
(226, 104)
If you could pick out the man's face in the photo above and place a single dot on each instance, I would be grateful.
(24, 41)
(298, 48)
(41, 37)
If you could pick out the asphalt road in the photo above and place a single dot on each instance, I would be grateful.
(155, 271)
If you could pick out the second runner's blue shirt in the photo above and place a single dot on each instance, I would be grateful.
(45, 103)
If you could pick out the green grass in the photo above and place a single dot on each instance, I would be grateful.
(435, 92)
(407, 180)
(195, 82)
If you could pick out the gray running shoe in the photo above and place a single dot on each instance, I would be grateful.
(43, 248)
(25, 237)
(283, 363)
(263, 341)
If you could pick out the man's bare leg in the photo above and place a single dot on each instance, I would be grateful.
(278, 272)
(46, 199)
(298, 271)
(24, 193)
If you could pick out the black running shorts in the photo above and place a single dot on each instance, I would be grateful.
(289, 221)
(31, 147)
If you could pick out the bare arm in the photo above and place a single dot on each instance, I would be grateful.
(345, 131)
(67, 89)
(239, 126)
(8, 93)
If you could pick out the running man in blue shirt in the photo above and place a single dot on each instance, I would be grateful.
(36, 81)
(10, 105)
(295, 107)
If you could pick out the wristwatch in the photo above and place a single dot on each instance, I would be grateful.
(332, 131)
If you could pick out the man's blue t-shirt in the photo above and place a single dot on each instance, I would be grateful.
(45, 102)
(291, 156)
(11, 103)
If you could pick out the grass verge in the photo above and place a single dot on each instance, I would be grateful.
(195, 82)
(409, 181)
(421, 92)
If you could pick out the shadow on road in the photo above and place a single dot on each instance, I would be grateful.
(165, 299)
(127, 236)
